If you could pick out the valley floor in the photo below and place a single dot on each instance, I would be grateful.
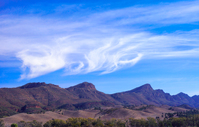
(105, 113)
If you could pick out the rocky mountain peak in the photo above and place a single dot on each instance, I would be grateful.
(144, 88)
(181, 94)
(36, 84)
(85, 85)
(33, 84)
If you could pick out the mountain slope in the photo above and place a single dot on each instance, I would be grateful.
(49, 96)
(146, 95)
(87, 91)
(35, 96)
(38, 94)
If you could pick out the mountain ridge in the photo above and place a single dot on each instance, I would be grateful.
(41, 96)
(143, 88)
(84, 85)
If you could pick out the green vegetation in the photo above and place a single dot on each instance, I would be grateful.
(1, 123)
(144, 107)
(34, 110)
(186, 114)
(133, 107)
(6, 112)
(23, 124)
(85, 122)
(97, 108)
(179, 119)
(192, 121)
(33, 123)
(107, 111)
(14, 125)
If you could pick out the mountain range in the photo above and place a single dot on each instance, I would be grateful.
(38, 97)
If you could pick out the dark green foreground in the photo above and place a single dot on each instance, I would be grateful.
(191, 121)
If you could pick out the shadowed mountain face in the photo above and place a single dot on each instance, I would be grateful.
(84, 85)
(143, 89)
(146, 95)
(48, 96)
(86, 92)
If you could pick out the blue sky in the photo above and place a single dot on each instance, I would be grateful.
(115, 45)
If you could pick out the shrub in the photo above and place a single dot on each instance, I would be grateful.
(35, 123)
(14, 125)
(1, 123)
(23, 124)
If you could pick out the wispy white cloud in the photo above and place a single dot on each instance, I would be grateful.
(102, 42)
(170, 13)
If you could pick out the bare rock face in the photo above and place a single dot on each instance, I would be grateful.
(87, 91)
(32, 85)
(37, 84)
(144, 88)
(84, 85)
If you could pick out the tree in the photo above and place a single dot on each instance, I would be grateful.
(110, 123)
(14, 125)
(151, 122)
(120, 123)
(23, 124)
(1, 123)
(74, 122)
(98, 123)
(34, 123)
(48, 124)
(142, 122)
(178, 122)
(55, 123)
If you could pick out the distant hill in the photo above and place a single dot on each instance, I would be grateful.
(38, 97)
(145, 94)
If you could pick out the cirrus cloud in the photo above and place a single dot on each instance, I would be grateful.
(103, 41)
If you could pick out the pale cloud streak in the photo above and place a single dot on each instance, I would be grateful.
(164, 14)
(97, 42)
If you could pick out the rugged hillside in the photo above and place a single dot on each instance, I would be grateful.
(196, 100)
(37, 97)
(144, 95)
(147, 95)
(34, 96)
(87, 91)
